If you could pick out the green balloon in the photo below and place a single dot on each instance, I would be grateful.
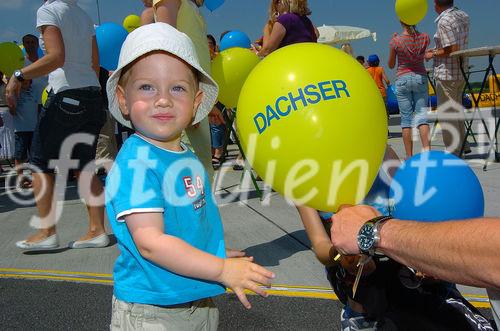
(11, 58)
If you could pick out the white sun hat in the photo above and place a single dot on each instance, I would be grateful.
(160, 37)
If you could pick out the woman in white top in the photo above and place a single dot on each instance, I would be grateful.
(74, 106)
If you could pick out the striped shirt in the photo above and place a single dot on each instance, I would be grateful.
(452, 29)
(410, 52)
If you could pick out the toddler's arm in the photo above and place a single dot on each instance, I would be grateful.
(322, 245)
(178, 256)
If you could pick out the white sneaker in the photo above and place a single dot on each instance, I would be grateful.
(49, 242)
(101, 240)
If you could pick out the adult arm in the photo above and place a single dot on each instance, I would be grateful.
(449, 41)
(147, 16)
(266, 33)
(277, 34)
(167, 10)
(179, 257)
(54, 58)
(464, 252)
(392, 52)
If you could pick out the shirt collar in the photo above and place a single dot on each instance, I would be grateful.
(67, 1)
(444, 13)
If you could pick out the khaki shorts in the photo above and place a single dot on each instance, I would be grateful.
(200, 315)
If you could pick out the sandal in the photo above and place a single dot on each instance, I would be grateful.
(238, 167)
(216, 162)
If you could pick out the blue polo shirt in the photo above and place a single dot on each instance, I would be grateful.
(147, 178)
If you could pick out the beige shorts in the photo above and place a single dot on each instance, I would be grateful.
(200, 315)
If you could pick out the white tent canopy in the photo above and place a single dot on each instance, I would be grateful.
(335, 34)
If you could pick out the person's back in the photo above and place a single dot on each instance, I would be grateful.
(378, 74)
(410, 52)
(299, 28)
(452, 29)
(77, 31)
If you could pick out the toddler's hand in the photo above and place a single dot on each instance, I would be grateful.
(241, 273)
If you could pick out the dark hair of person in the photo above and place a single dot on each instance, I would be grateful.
(444, 3)
(360, 58)
(29, 36)
(212, 39)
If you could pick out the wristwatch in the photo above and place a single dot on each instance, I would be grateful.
(369, 234)
(19, 75)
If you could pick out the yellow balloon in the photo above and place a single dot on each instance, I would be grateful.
(11, 58)
(314, 128)
(230, 68)
(131, 22)
(411, 11)
(45, 95)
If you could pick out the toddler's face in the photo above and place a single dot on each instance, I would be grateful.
(161, 97)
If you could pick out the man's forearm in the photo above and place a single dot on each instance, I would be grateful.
(464, 252)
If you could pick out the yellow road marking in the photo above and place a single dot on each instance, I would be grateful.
(316, 292)
(74, 279)
(58, 272)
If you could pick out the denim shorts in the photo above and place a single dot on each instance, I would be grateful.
(217, 133)
(22, 145)
(75, 111)
(412, 95)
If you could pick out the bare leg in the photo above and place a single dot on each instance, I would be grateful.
(94, 201)
(217, 152)
(23, 182)
(43, 189)
(424, 136)
(407, 140)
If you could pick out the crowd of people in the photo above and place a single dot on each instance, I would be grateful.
(172, 253)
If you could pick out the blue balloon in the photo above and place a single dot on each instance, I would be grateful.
(213, 4)
(436, 186)
(392, 101)
(110, 38)
(234, 38)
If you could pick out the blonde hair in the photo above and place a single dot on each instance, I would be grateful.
(298, 7)
(273, 15)
(412, 29)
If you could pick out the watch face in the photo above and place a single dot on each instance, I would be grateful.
(19, 75)
(366, 238)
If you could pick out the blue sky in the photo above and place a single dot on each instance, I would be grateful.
(18, 18)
